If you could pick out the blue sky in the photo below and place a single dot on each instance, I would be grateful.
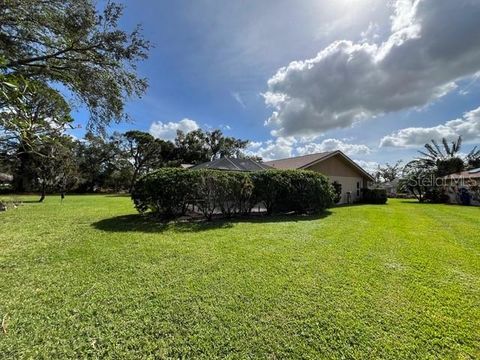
(373, 78)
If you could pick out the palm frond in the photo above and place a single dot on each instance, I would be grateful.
(428, 156)
(439, 150)
(457, 145)
(474, 153)
(433, 153)
(446, 147)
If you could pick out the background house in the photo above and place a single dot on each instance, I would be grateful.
(457, 184)
(337, 166)
(391, 187)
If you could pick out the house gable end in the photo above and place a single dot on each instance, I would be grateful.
(338, 164)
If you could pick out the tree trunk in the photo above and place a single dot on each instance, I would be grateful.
(134, 178)
(42, 197)
(22, 179)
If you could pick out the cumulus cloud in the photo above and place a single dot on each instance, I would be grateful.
(371, 33)
(369, 166)
(421, 60)
(331, 145)
(283, 147)
(467, 126)
(168, 131)
(272, 149)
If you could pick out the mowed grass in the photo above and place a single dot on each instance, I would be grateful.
(89, 278)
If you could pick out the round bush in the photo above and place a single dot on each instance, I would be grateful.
(374, 196)
(171, 191)
(167, 191)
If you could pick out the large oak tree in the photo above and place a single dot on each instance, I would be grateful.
(71, 43)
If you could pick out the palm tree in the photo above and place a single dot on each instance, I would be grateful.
(435, 153)
(443, 161)
(473, 158)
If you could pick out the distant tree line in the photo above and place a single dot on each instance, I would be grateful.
(104, 163)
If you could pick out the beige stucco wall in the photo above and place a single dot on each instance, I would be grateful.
(340, 170)
(349, 184)
(335, 166)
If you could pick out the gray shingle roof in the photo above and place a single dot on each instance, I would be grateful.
(298, 162)
(304, 162)
(232, 164)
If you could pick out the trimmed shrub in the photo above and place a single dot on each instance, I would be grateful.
(171, 191)
(305, 192)
(237, 193)
(436, 195)
(167, 191)
(268, 188)
(226, 191)
(301, 191)
(374, 196)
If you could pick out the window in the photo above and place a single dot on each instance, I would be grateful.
(358, 188)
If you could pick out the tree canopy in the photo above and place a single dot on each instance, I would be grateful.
(34, 113)
(446, 158)
(145, 152)
(70, 43)
(388, 172)
(200, 146)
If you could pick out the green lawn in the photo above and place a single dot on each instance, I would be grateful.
(89, 278)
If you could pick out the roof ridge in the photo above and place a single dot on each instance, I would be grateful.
(231, 162)
(300, 156)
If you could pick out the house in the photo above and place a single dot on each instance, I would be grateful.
(461, 184)
(390, 187)
(232, 164)
(334, 164)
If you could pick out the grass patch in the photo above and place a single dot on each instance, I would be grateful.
(89, 278)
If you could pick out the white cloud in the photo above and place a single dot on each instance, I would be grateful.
(238, 98)
(368, 166)
(283, 147)
(254, 145)
(272, 149)
(468, 127)
(332, 145)
(168, 131)
(372, 32)
(421, 61)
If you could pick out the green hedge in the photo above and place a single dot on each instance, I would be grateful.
(171, 192)
(167, 191)
(374, 196)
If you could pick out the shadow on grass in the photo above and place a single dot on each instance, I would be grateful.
(359, 204)
(150, 224)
